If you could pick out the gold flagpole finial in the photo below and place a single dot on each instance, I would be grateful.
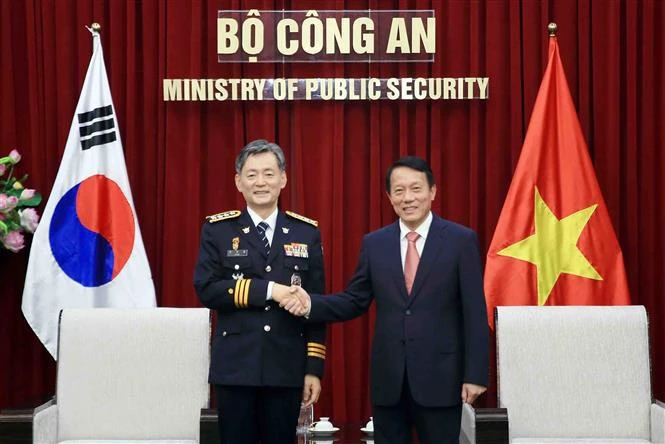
(94, 29)
(551, 29)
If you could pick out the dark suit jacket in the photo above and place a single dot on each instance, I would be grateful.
(438, 334)
(256, 343)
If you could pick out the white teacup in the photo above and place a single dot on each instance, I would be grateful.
(370, 424)
(323, 424)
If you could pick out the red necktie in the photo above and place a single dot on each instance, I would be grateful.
(411, 261)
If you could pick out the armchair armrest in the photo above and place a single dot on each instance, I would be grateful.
(209, 431)
(45, 423)
(657, 421)
(484, 426)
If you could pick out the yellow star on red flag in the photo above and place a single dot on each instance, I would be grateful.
(555, 172)
(553, 247)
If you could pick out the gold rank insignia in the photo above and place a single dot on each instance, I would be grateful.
(223, 216)
(302, 218)
(235, 243)
(316, 350)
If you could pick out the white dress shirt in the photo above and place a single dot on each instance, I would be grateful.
(270, 220)
(270, 233)
(422, 230)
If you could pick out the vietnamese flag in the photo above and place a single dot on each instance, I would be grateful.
(554, 243)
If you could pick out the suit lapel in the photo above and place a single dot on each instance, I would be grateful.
(434, 245)
(248, 232)
(394, 258)
(281, 236)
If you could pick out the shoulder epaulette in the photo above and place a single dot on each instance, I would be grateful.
(222, 216)
(302, 218)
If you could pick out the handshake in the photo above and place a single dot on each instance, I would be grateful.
(293, 299)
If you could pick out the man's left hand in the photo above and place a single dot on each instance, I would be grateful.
(471, 391)
(311, 390)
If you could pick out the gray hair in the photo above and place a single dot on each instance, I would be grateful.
(257, 147)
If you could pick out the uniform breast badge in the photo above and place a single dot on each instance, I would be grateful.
(296, 250)
(237, 276)
(235, 252)
(245, 230)
(300, 250)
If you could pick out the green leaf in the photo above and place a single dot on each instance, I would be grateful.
(32, 202)
(13, 226)
(13, 192)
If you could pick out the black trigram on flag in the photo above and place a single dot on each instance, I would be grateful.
(97, 127)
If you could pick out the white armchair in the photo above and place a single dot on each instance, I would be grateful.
(576, 375)
(133, 375)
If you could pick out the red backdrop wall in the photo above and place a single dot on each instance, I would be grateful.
(180, 154)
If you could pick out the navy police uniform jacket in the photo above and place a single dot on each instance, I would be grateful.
(256, 343)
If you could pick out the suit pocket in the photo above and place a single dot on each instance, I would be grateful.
(236, 263)
(296, 263)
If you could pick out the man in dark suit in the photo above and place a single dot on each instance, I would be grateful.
(431, 340)
(264, 360)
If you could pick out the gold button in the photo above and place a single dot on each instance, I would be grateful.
(266, 327)
(230, 290)
(237, 267)
(296, 267)
(268, 268)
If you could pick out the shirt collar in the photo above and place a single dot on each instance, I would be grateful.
(270, 220)
(422, 230)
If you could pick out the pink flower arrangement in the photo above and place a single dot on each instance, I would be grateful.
(16, 215)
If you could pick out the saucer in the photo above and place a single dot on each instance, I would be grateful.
(367, 431)
(328, 432)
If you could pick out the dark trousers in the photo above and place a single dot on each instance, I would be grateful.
(435, 425)
(252, 415)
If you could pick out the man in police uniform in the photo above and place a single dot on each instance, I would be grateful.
(265, 361)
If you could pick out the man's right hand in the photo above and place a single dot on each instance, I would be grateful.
(280, 292)
(298, 302)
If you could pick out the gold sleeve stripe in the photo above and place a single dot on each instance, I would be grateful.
(241, 296)
(236, 293)
(238, 296)
(246, 293)
(316, 355)
(315, 345)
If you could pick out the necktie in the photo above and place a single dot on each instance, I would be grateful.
(411, 261)
(261, 228)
